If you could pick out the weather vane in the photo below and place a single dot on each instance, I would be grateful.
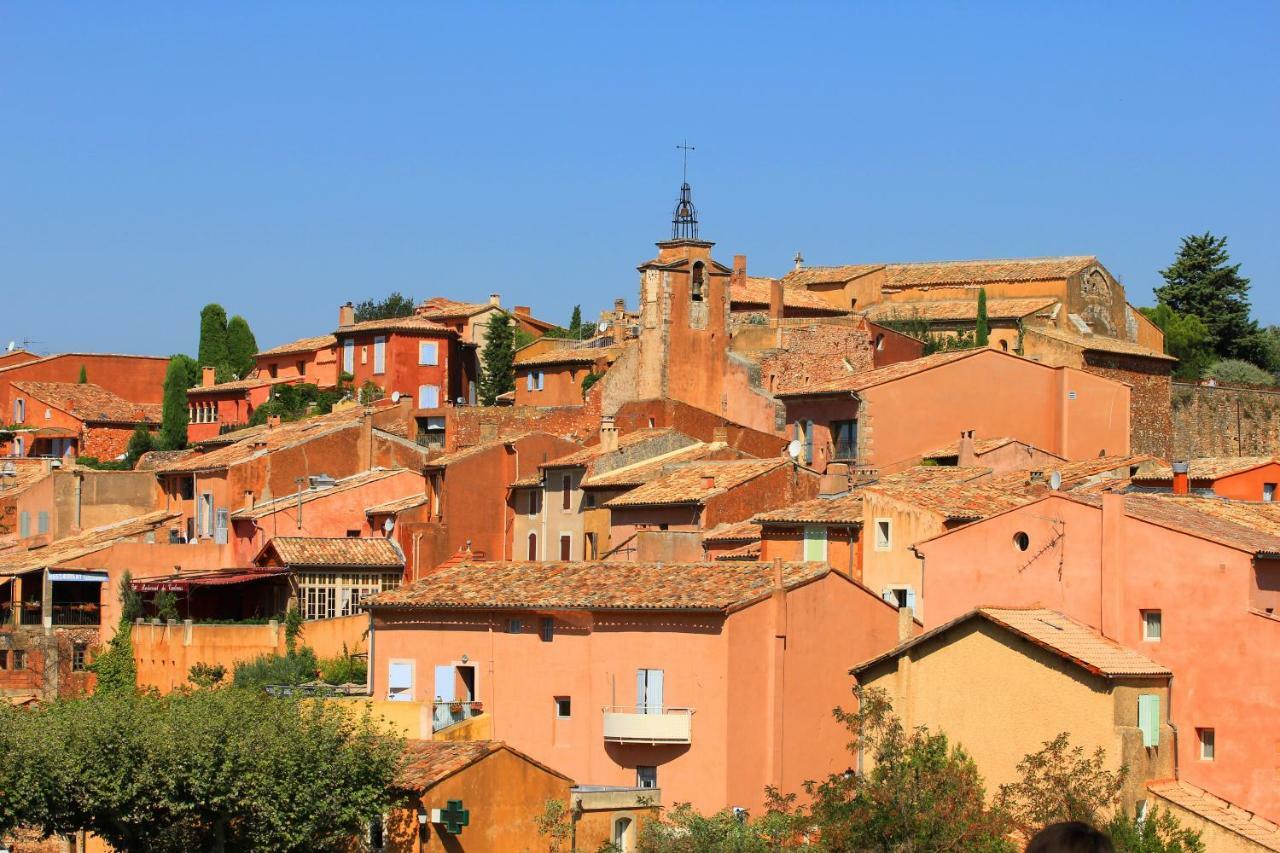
(685, 149)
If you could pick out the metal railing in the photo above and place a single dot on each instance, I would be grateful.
(445, 713)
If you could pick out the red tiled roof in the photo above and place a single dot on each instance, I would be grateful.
(957, 494)
(253, 442)
(240, 385)
(1209, 467)
(397, 506)
(806, 276)
(687, 484)
(443, 306)
(83, 544)
(980, 445)
(426, 763)
(957, 310)
(91, 403)
(942, 273)
(346, 484)
(1097, 343)
(855, 382)
(750, 551)
(447, 459)
(740, 531)
(645, 470)
(569, 355)
(395, 324)
(295, 551)
(301, 345)
(1050, 630)
(845, 509)
(1196, 518)
(596, 586)
(594, 453)
(1229, 816)
(755, 291)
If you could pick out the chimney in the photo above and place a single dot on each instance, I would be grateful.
(608, 434)
(799, 259)
(740, 269)
(364, 453)
(966, 458)
(1181, 478)
(273, 421)
(208, 376)
(906, 623)
(522, 310)
(1113, 555)
(346, 314)
(495, 300)
(708, 482)
(619, 309)
(776, 306)
(248, 500)
(835, 480)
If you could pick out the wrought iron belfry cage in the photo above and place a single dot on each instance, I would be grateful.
(684, 222)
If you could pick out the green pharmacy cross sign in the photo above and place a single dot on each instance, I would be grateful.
(453, 818)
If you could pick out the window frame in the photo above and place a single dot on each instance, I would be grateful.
(1147, 636)
(1211, 742)
(79, 656)
(547, 629)
(566, 493)
(425, 360)
(887, 544)
(563, 707)
(647, 780)
(812, 539)
(379, 355)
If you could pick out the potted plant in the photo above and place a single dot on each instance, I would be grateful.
(476, 706)
(455, 707)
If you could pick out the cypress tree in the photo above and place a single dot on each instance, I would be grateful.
(575, 323)
(84, 375)
(174, 412)
(241, 346)
(983, 332)
(213, 336)
(139, 443)
(497, 371)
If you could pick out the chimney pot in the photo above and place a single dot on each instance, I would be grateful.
(799, 259)
(208, 376)
(608, 434)
(346, 314)
(776, 300)
(708, 482)
(967, 456)
(495, 299)
(273, 421)
(523, 310)
(1181, 478)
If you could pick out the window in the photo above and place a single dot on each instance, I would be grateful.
(566, 493)
(349, 355)
(622, 835)
(19, 446)
(547, 629)
(1269, 492)
(884, 534)
(353, 534)
(428, 396)
(515, 626)
(1205, 737)
(879, 343)
(24, 524)
(1021, 541)
(1149, 719)
(19, 410)
(900, 596)
(42, 522)
(1152, 626)
(19, 659)
(533, 547)
(4, 658)
(400, 681)
(646, 777)
(590, 500)
(649, 691)
(590, 550)
(377, 835)
(535, 501)
(563, 707)
(301, 367)
(380, 354)
(1004, 346)
(844, 440)
(533, 381)
(78, 652)
(48, 414)
(815, 543)
(566, 547)
(428, 352)
(804, 435)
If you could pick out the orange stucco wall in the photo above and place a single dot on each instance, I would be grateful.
(561, 384)
(1223, 649)
(730, 670)
(401, 369)
(317, 366)
(1247, 485)
(844, 551)
(137, 378)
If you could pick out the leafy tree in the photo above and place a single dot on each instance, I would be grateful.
(1233, 371)
(575, 323)
(293, 402)
(115, 667)
(209, 770)
(1158, 832)
(213, 336)
(555, 824)
(166, 604)
(683, 830)
(205, 675)
(1186, 338)
(497, 360)
(292, 627)
(139, 443)
(1203, 282)
(588, 381)
(1061, 782)
(395, 305)
(241, 346)
(84, 376)
(370, 391)
(345, 668)
(982, 332)
(175, 414)
(130, 600)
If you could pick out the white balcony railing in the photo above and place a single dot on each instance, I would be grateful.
(632, 724)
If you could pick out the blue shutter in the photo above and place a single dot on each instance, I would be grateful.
(1149, 719)
(911, 599)
(24, 525)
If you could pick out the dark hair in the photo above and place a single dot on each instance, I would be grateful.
(1070, 837)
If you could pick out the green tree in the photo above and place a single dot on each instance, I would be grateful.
(208, 770)
(139, 443)
(174, 413)
(1233, 371)
(206, 675)
(575, 323)
(395, 305)
(683, 830)
(1060, 782)
(497, 359)
(1158, 832)
(982, 332)
(84, 376)
(213, 336)
(241, 346)
(1203, 282)
(1186, 338)
(166, 605)
(115, 666)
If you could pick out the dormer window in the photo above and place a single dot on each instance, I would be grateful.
(697, 286)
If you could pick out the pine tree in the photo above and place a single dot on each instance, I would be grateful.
(983, 332)
(575, 323)
(1203, 282)
(497, 371)
(84, 376)
(213, 336)
(241, 346)
(174, 412)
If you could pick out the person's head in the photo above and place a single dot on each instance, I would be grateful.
(1070, 837)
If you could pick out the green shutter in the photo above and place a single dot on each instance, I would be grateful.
(1149, 719)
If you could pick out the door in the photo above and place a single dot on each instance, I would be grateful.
(649, 691)
(204, 514)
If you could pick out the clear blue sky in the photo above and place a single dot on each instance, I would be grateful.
(281, 158)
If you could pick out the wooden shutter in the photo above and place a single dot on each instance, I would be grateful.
(1149, 719)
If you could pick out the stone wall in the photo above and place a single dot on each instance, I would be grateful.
(1218, 421)
(1150, 419)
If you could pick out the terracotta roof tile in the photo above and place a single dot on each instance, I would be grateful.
(1097, 343)
(153, 459)
(240, 385)
(443, 306)
(942, 273)
(346, 484)
(426, 763)
(395, 324)
(257, 441)
(447, 459)
(596, 586)
(980, 445)
(301, 345)
(1262, 516)
(844, 509)
(956, 497)
(588, 456)
(687, 484)
(1071, 640)
(648, 469)
(957, 310)
(739, 531)
(806, 276)
(755, 292)
(83, 544)
(569, 355)
(855, 382)
(1198, 518)
(397, 506)
(750, 551)
(91, 403)
(295, 551)
(1216, 810)
(1208, 468)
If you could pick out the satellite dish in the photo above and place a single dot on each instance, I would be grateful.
(395, 396)
(793, 449)
(388, 524)
(1055, 480)
(604, 327)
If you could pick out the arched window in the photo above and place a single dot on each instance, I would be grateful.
(622, 834)
(698, 282)
(533, 546)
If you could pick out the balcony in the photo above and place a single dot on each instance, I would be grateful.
(449, 713)
(631, 724)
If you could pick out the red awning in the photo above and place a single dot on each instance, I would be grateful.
(185, 583)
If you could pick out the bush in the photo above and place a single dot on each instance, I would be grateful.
(166, 604)
(207, 675)
(289, 669)
(1231, 371)
(344, 669)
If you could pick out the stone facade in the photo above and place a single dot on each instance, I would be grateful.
(1217, 421)
(1150, 418)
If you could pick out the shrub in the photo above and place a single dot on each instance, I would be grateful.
(344, 669)
(207, 675)
(289, 669)
(1232, 371)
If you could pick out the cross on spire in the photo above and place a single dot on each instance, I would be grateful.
(685, 148)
